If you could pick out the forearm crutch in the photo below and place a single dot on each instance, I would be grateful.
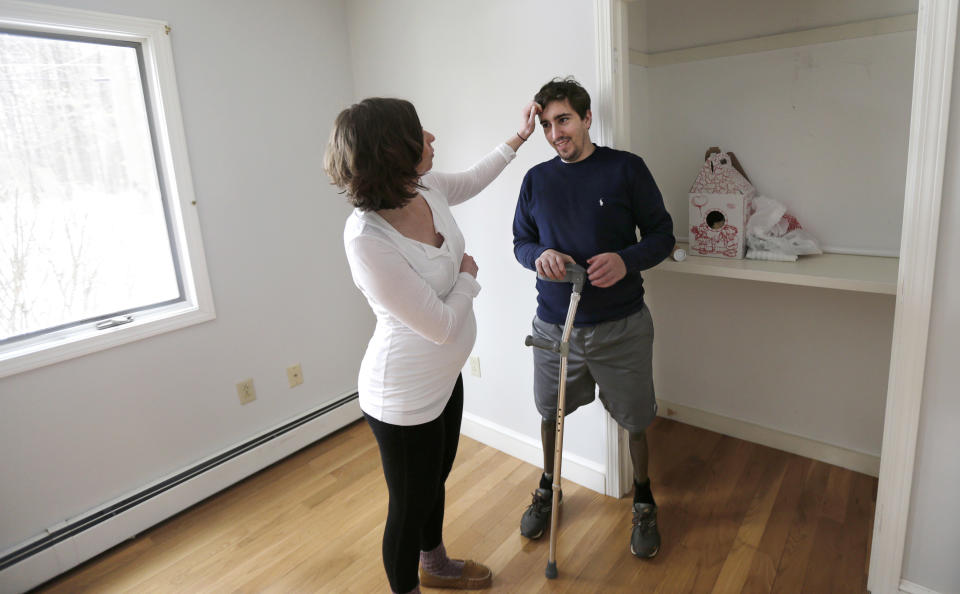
(577, 276)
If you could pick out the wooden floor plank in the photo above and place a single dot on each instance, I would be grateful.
(736, 567)
(766, 559)
(801, 538)
(675, 481)
(701, 546)
(719, 532)
(857, 530)
(827, 555)
(734, 516)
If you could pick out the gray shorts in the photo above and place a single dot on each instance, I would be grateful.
(615, 355)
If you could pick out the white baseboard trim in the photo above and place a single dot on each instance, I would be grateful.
(575, 468)
(911, 588)
(788, 442)
(46, 564)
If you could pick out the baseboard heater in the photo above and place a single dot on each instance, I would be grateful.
(88, 522)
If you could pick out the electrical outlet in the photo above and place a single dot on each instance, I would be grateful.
(475, 365)
(294, 375)
(245, 391)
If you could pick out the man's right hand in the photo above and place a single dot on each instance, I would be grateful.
(552, 264)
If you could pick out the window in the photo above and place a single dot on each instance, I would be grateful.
(99, 241)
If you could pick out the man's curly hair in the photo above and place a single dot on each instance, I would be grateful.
(559, 89)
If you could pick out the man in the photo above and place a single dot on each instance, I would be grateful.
(585, 206)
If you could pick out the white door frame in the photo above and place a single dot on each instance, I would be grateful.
(611, 127)
(929, 119)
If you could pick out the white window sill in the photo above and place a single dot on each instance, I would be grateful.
(57, 347)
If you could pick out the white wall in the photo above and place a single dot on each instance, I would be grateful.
(259, 87)
(822, 128)
(804, 361)
(469, 69)
(933, 526)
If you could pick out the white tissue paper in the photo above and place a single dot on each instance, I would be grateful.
(774, 234)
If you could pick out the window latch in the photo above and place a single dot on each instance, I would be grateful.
(114, 322)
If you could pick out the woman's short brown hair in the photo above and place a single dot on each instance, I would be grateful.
(373, 153)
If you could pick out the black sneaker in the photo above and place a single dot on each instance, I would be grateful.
(645, 540)
(534, 521)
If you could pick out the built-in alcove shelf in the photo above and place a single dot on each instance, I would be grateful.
(868, 274)
(856, 30)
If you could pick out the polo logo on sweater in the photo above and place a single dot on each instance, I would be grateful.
(601, 202)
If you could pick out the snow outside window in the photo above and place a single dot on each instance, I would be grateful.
(99, 242)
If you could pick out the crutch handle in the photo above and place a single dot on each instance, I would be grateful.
(547, 345)
(542, 343)
(576, 274)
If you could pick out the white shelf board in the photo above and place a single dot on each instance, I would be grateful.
(868, 274)
(870, 28)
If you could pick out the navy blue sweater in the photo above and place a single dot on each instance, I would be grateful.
(587, 208)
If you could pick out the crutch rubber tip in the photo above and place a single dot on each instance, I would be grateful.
(551, 570)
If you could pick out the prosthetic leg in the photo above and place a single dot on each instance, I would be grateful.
(577, 276)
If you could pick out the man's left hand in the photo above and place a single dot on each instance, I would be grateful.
(605, 270)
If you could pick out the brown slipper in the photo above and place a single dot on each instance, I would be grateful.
(474, 577)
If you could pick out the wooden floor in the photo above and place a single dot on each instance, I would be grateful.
(734, 517)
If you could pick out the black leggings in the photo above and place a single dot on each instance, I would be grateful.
(416, 462)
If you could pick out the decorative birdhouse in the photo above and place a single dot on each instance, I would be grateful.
(719, 204)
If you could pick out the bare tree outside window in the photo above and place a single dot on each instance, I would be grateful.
(83, 229)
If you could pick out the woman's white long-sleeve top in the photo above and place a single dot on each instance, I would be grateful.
(423, 303)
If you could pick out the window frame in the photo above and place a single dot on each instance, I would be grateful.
(173, 168)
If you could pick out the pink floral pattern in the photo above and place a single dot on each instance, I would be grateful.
(720, 242)
(719, 176)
